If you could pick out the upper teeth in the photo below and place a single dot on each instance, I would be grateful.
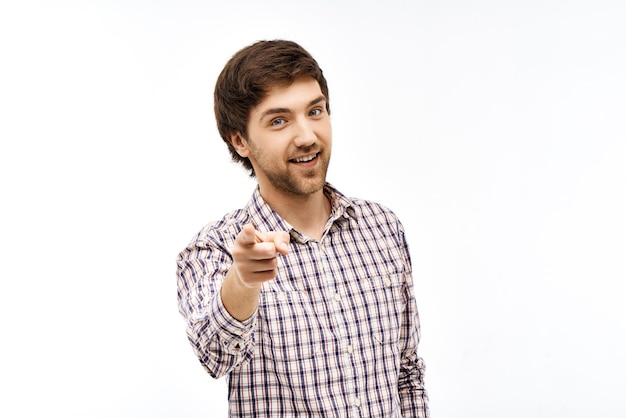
(305, 159)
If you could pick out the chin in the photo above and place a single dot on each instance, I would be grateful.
(307, 186)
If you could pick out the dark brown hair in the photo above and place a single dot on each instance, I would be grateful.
(249, 75)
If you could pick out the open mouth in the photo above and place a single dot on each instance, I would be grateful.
(305, 159)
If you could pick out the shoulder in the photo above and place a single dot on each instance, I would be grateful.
(377, 220)
(377, 215)
(367, 213)
(220, 234)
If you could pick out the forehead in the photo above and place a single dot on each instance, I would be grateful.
(299, 93)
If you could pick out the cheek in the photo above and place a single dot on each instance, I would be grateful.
(327, 133)
(269, 147)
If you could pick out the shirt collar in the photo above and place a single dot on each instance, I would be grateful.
(264, 218)
(340, 206)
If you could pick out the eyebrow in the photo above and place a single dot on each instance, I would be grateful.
(276, 110)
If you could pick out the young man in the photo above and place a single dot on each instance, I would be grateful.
(304, 298)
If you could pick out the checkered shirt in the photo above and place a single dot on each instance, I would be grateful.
(335, 333)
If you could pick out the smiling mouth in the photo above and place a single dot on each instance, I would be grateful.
(305, 159)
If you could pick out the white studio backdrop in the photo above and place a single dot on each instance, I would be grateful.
(495, 129)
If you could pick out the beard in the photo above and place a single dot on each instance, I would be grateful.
(291, 180)
(304, 183)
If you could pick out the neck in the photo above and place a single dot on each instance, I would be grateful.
(306, 213)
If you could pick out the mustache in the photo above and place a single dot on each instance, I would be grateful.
(309, 149)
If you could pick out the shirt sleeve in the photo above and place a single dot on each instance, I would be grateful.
(411, 388)
(413, 395)
(220, 341)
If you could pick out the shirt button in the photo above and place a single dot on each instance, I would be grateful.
(356, 402)
(387, 282)
(337, 297)
(281, 296)
(350, 349)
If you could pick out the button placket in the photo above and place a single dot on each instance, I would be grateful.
(335, 296)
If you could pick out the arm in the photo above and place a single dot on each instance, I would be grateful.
(218, 295)
(254, 263)
(413, 395)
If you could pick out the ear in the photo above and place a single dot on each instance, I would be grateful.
(239, 143)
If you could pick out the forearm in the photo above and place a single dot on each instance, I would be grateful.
(411, 386)
(413, 395)
(240, 301)
(220, 341)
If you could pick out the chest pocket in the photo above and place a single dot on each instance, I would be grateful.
(380, 304)
(287, 325)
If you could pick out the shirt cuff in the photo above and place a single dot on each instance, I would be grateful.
(235, 336)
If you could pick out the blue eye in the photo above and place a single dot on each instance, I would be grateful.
(316, 112)
(278, 122)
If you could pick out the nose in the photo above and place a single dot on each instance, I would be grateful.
(305, 133)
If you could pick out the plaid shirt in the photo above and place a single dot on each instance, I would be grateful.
(335, 334)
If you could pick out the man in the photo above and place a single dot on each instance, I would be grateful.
(304, 298)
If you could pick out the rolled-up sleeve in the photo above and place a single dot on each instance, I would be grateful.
(413, 395)
(220, 341)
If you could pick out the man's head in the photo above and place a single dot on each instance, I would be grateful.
(247, 78)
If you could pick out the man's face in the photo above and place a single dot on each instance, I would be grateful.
(289, 139)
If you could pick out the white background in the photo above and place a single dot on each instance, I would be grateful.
(495, 130)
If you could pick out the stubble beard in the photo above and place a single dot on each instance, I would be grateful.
(302, 182)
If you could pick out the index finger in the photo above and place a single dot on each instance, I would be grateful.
(280, 239)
